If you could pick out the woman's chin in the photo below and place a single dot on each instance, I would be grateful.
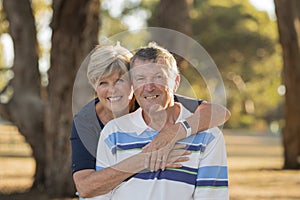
(120, 111)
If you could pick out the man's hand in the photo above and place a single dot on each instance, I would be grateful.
(175, 156)
(161, 146)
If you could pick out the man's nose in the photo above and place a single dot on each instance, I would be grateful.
(149, 86)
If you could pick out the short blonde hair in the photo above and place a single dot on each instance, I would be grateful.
(106, 60)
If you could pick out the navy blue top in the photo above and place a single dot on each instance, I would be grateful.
(86, 130)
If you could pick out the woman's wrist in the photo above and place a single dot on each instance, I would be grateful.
(179, 130)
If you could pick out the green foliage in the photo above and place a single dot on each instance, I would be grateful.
(125, 18)
(111, 25)
(243, 43)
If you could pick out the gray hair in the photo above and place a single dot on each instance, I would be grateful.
(153, 52)
(106, 60)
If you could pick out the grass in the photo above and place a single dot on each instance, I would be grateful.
(254, 159)
(255, 162)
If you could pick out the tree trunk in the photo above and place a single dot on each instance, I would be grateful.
(173, 15)
(288, 17)
(75, 27)
(25, 109)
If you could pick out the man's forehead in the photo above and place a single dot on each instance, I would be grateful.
(148, 68)
(149, 62)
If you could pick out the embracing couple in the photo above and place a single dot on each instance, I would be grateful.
(138, 139)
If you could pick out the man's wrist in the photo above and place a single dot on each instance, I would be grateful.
(186, 127)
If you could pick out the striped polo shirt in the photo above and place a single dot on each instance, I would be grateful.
(204, 176)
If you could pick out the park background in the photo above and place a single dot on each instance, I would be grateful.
(43, 42)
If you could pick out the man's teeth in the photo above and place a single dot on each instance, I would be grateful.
(114, 98)
(152, 97)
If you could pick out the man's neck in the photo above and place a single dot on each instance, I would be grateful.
(159, 118)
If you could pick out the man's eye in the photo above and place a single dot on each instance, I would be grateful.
(140, 78)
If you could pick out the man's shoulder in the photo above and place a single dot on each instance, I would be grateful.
(208, 135)
(214, 131)
(125, 118)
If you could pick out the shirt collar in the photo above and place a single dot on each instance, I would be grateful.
(140, 125)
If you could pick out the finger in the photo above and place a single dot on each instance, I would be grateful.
(177, 153)
(182, 159)
(186, 153)
(165, 154)
(147, 160)
(164, 162)
(153, 158)
(177, 160)
(179, 146)
(146, 146)
(174, 165)
(159, 160)
(149, 147)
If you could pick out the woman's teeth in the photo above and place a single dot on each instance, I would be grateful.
(114, 98)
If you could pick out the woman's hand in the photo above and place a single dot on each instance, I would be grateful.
(175, 156)
(160, 148)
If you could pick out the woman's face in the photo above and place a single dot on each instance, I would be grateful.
(115, 92)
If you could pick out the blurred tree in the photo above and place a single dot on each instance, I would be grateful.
(45, 121)
(131, 15)
(26, 85)
(288, 20)
(173, 15)
(242, 42)
(3, 70)
(164, 16)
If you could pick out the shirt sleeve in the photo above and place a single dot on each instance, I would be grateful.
(85, 132)
(81, 157)
(212, 176)
(189, 103)
(104, 158)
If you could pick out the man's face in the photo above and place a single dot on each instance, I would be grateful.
(151, 84)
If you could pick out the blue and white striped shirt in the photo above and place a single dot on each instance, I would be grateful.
(204, 176)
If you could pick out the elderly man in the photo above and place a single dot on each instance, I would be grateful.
(155, 79)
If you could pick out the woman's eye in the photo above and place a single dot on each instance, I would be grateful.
(120, 80)
(102, 83)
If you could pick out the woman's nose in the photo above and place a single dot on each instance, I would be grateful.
(111, 89)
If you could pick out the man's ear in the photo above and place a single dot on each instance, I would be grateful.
(177, 82)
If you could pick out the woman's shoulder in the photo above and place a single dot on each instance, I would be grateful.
(87, 110)
(86, 118)
(189, 103)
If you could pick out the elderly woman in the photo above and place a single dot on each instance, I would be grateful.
(108, 74)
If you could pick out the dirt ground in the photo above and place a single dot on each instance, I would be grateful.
(254, 160)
